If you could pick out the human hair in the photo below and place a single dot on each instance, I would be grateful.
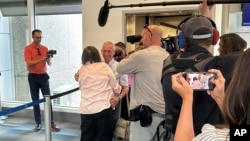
(232, 43)
(34, 31)
(195, 78)
(121, 44)
(236, 106)
(199, 42)
(90, 54)
(110, 43)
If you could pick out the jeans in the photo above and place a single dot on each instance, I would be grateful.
(37, 82)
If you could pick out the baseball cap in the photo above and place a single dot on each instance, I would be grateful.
(195, 23)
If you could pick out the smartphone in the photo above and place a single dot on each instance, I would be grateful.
(200, 81)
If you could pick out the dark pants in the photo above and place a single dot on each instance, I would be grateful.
(124, 106)
(98, 126)
(39, 82)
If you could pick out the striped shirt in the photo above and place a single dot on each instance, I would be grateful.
(211, 133)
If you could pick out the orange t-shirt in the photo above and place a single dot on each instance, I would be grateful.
(31, 53)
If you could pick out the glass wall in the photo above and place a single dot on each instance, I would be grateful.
(61, 24)
(12, 16)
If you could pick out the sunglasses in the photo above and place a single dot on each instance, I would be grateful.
(39, 52)
(146, 27)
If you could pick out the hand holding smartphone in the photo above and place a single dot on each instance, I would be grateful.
(200, 81)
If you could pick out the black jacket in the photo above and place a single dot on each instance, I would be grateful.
(205, 109)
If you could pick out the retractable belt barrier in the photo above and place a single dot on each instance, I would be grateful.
(47, 107)
(24, 106)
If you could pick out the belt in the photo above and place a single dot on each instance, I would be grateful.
(37, 74)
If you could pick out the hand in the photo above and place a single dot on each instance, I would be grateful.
(48, 61)
(218, 92)
(114, 101)
(44, 59)
(206, 10)
(76, 76)
(181, 86)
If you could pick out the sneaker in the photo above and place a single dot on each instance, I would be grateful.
(54, 128)
(37, 127)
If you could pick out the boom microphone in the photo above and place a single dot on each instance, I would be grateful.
(103, 14)
(104, 11)
(209, 2)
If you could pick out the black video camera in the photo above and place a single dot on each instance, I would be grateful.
(51, 53)
(169, 43)
(133, 38)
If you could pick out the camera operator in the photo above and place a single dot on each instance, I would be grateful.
(170, 44)
(147, 107)
(36, 58)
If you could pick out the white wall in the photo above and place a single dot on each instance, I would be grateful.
(235, 26)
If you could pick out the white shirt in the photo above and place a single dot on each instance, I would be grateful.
(121, 78)
(210, 133)
(97, 84)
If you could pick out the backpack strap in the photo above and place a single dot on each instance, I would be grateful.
(176, 63)
(181, 64)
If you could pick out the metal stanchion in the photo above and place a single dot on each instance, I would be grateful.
(47, 118)
(2, 118)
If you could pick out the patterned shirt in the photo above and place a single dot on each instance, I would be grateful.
(211, 133)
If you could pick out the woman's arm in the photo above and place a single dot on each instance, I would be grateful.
(184, 130)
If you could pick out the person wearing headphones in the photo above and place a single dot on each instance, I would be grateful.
(198, 40)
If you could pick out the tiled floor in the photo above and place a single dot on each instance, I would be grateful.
(20, 129)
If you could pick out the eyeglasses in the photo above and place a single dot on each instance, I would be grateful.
(146, 27)
(39, 52)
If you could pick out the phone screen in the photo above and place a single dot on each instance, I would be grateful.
(200, 80)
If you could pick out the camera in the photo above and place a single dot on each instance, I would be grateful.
(170, 44)
(118, 55)
(51, 53)
(200, 81)
(133, 38)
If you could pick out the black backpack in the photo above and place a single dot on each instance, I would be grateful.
(176, 63)
(193, 63)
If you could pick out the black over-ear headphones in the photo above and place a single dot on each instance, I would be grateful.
(181, 37)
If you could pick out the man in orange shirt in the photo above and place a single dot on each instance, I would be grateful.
(35, 56)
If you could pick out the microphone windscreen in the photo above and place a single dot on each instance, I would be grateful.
(103, 15)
